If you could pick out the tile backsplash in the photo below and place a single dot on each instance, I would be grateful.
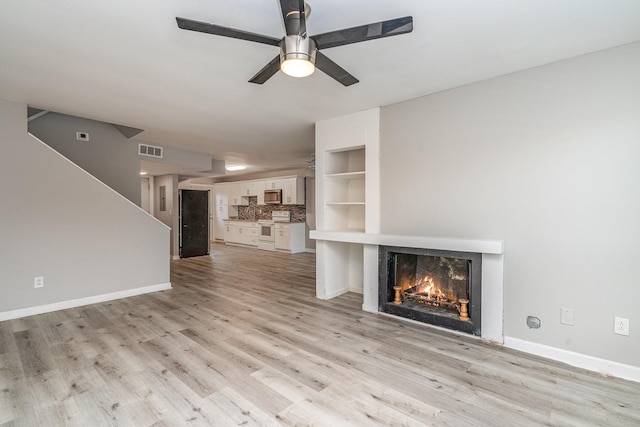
(256, 212)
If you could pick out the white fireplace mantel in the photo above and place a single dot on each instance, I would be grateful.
(440, 243)
(492, 268)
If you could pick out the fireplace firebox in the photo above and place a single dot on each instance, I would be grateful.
(442, 288)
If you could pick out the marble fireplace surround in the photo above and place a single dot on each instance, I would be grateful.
(492, 269)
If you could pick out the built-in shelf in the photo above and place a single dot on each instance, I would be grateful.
(346, 153)
(347, 175)
(345, 203)
(344, 189)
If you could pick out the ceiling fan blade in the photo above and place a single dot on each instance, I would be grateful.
(267, 72)
(333, 70)
(363, 33)
(203, 27)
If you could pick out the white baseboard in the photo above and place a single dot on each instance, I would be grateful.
(602, 366)
(310, 250)
(47, 308)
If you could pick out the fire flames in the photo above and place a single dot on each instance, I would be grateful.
(427, 292)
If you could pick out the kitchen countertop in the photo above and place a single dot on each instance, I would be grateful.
(256, 220)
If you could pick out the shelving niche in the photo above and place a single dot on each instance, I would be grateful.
(347, 155)
(345, 178)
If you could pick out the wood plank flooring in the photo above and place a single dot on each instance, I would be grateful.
(242, 340)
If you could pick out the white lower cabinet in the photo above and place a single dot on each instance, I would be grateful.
(282, 236)
(241, 233)
(250, 234)
(231, 232)
(290, 237)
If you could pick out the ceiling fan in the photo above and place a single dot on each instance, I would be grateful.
(300, 53)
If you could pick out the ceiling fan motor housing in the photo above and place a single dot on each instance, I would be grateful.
(297, 47)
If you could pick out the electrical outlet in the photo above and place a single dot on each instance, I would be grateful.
(621, 326)
(38, 282)
(566, 316)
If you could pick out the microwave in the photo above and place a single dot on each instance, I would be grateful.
(273, 197)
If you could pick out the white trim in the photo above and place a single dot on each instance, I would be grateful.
(310, 250)
(602, 366)
(442, 243)
(30, 311)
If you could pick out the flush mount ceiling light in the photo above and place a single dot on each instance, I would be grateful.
(300, 54)
(235, 168)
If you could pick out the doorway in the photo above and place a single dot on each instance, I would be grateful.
(194, 223)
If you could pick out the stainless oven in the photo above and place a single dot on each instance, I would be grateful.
(273, 197)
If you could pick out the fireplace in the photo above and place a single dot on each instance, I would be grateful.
(442, 288)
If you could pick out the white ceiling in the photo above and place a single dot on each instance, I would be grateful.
(126, 62)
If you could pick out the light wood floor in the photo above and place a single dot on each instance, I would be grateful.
(241, 340)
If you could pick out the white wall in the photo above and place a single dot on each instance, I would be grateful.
(310, 211)
(547, 160)
(59, 222)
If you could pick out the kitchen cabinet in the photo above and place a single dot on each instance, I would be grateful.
(252, 188)
(250, 234)
(259, 187)
(231, 233)
(221, 192)
(235, 194)
(241, 233)
(293, 191)
(290, 237)
(274, 183)
(282, 237)
(221, 209)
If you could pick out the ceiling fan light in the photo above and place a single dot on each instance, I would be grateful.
(297, 56)
(296, 67)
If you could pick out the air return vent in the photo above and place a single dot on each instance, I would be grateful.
(149, 150)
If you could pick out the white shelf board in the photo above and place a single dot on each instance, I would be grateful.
(425, 242)
(345, 203)
(346, 175)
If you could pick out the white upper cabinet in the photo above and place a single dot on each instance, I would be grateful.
(252, 188)
(275, 183)
(259, 187)
(235, 194)
(293, 191)
(221, 191)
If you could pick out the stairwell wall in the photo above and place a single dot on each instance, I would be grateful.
(57, 221)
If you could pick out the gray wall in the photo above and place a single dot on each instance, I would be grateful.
(59, 222)
(169, 217)
(548, 160)
(108, 155)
